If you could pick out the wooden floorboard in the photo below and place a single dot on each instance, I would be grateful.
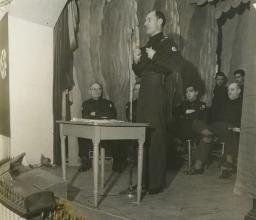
(201, 197)
(198, 197)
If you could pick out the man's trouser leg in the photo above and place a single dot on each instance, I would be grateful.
(84, 145)
(202, 151)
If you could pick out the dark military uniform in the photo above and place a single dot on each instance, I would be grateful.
(152, 105)
(230, 117)
(99, 109)
(184, 120)
(220, 97)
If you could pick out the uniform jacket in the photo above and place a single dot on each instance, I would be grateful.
(166, 59)
(231, 112)
(98, 109)
(198, 107)
(220, 97)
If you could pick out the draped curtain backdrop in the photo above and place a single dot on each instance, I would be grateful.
(233, 39)
(62, 74)
(106, 33)
(104, 53)
(200, 45)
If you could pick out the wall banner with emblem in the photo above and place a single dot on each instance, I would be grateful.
(4, 78)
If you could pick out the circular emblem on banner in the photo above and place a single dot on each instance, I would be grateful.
(3, 63)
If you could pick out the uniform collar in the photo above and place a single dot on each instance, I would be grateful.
(157, 37)
(239, 99)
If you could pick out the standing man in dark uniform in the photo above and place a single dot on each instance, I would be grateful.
(153, 62)
(97, 108)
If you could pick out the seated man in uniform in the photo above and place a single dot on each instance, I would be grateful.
(239, 78)
(96, 108)
(226, 128)
(220, 96)
(189, 110)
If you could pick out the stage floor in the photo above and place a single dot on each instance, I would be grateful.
(200, 197)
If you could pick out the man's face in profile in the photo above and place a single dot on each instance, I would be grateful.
(153, 24)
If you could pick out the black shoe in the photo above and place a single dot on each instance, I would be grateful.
(86, 165)
(225, 174)
(194, 171)
(155, 190)
(82, 169)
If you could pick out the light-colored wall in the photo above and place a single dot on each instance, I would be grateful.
(4, 147)
(31, 89)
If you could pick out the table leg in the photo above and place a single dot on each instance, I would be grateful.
(102, 160)
(96, 143)
(63, 154)
(140, 167)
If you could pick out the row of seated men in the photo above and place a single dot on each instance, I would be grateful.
(193, 121)
(98, 107)
(220, 122)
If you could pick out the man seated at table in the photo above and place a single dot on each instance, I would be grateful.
(226, 128)
(97, 108)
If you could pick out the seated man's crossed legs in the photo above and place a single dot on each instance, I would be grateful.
(208, 134)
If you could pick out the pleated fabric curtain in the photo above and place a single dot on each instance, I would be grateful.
(201, 44)
(246, 175)
(62, 79)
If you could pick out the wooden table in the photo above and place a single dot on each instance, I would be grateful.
(97, 131)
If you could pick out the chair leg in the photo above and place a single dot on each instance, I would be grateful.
(189, 154)
(223, 149)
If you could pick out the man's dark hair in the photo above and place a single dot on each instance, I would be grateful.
(240, 71)
(194, 86)
(222, 74)
(160, 15)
